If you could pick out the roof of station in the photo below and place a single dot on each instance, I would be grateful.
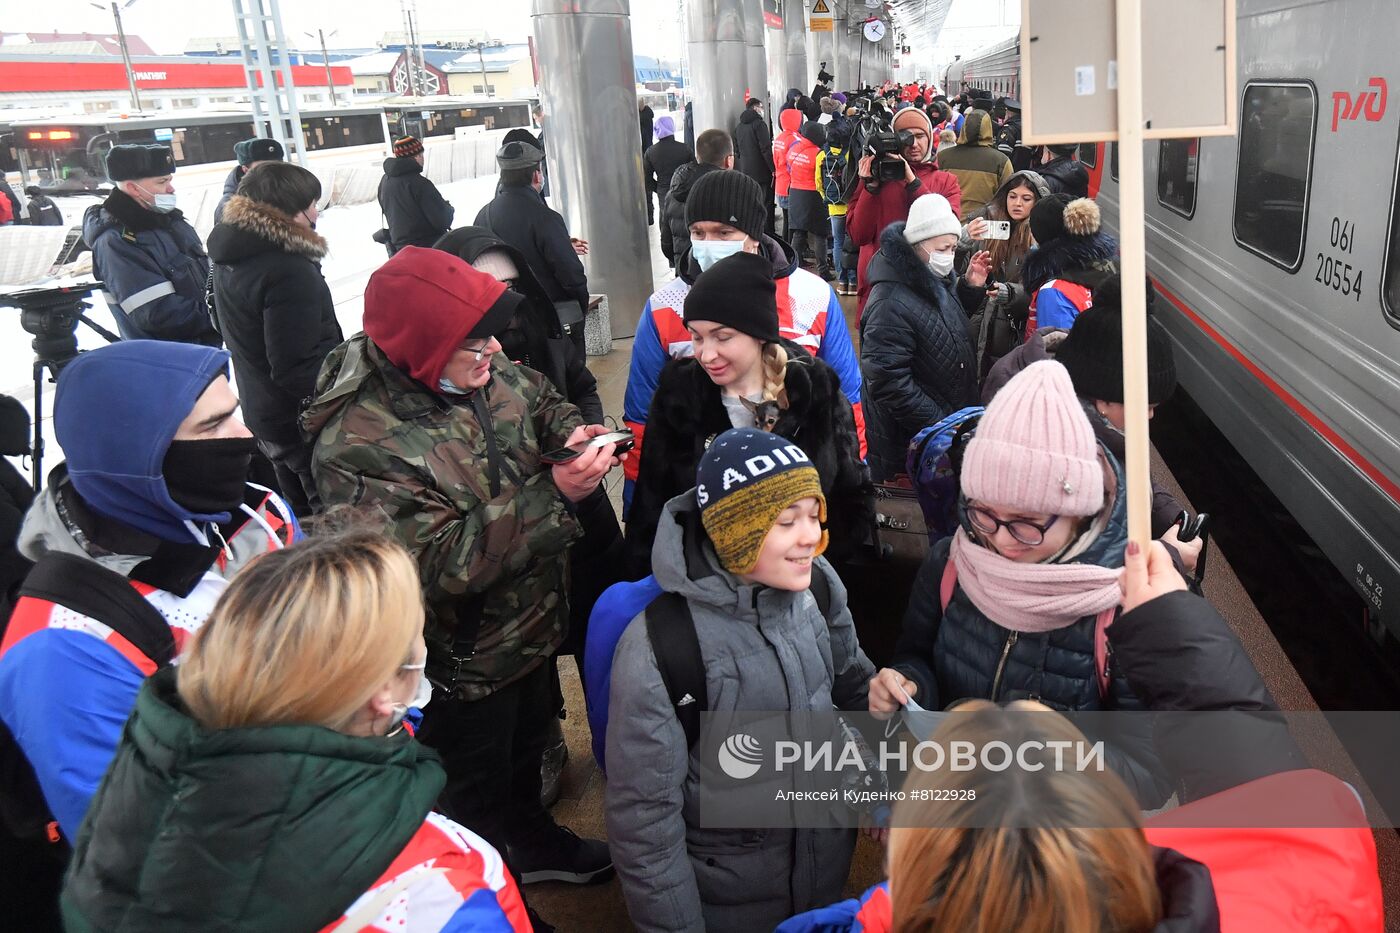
(921, 21)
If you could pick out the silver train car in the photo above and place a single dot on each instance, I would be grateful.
(996, 68)
(1278, 254)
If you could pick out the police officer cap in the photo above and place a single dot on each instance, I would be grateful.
(1012, 103)
(249, 151)
(518, 155)
(127, 162)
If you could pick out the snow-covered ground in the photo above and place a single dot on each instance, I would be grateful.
(353, 257)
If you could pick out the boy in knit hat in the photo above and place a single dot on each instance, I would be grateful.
(725, 214)
(1014, 605)
(740, 550)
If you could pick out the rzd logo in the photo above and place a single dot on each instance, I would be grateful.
(1372, 103)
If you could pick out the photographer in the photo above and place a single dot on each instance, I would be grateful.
(896, 169)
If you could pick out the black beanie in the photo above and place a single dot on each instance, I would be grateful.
(738, 291)
(1093, 350)
(727, 197)
(814, 133)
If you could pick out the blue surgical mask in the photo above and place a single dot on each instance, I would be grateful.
(448, 387)
(709, 252)
(162, 203)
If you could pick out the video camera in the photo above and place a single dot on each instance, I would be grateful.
(888, 143)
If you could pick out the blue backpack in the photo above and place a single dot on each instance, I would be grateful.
(933, 463)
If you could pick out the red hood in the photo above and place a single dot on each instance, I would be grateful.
(790, 120)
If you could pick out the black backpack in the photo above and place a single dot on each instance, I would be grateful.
(671, 630)
(88, 588)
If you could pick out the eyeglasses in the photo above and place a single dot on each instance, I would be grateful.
(414, 667)
(479, 349)
(1027, 532)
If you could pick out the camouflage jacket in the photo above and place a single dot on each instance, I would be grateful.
(493, 560)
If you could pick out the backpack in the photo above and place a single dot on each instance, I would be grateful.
(671, 631)
(933, 461)
(87, 588)
(834, 176)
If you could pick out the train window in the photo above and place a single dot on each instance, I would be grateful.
(1089, 154)
(1274, 174)
(1176, 175)
(1113, 161)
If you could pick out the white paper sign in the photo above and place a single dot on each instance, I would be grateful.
(1084, 80)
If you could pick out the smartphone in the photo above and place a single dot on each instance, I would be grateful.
(998, 229)
(625, 441)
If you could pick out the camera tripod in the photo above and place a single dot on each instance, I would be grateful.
(52, 315)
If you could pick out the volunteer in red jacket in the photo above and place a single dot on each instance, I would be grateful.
(725, 215)
(789, 122)
(876, 204)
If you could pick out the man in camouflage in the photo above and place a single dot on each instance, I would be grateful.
(422, 419)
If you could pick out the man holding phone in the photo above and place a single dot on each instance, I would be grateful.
(423, 421)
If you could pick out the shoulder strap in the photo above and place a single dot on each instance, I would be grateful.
(88, 588)
(671, 629)
(820, 588)
(948, 584)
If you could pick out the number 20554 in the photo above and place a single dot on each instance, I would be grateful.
(1339, 276)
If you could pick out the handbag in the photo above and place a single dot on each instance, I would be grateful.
(570, 314)
(901, 533)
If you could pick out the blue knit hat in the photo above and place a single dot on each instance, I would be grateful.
(746, 479)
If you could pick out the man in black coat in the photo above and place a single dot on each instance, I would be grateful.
(715, 152)
(753, 150)
(1064, 173)
(415, 210)
(659, 163)
(519, 216)
(275, 312)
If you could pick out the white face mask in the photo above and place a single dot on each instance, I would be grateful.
(161, 203)
(451, 388)
(940, 264)
(709, 252)
(421, 697)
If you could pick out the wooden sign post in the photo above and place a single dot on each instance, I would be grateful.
(1087, 77)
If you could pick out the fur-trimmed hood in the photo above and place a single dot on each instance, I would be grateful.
(1097, 251)
(250, 227)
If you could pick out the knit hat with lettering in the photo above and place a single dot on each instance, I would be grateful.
(746, 479)
(727, 197)
(1034, 450)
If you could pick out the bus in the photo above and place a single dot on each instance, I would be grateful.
(427, 117)
(66, 155)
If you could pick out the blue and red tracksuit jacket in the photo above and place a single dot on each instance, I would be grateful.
(809, 314)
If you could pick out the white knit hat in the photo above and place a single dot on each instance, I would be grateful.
(931, 215)
(496, 263)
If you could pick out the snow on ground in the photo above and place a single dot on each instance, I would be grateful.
(353, 257)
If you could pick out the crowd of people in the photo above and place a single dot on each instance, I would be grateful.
(299, 669)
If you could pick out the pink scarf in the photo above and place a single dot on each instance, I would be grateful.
(1032, 597)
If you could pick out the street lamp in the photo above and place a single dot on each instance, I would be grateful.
(126, 55)
(326, 60)
(477, 46)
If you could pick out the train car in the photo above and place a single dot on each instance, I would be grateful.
(995, 69)
(66, 154)
(430, 117)
(1278, 255)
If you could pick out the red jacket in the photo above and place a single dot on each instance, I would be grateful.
(802, 164)
(867, 214)
(790, 121)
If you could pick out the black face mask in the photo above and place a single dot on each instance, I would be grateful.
(208, 477)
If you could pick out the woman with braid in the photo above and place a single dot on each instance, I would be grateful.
(744, 375)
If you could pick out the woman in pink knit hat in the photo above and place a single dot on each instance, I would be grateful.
(1015, 605)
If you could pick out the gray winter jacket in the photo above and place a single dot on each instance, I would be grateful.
(763, 649)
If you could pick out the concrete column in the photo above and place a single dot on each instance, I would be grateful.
(588, 89)
(756, 55)
(777, 69)
(719, 61)
(821, 47)
(795, 38)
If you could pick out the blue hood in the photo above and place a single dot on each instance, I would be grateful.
(115, 412)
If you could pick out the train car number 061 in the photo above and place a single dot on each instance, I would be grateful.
(1332, 271)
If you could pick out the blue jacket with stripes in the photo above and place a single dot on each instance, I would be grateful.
(154, 271)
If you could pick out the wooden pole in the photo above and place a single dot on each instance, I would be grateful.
(1133, 250)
